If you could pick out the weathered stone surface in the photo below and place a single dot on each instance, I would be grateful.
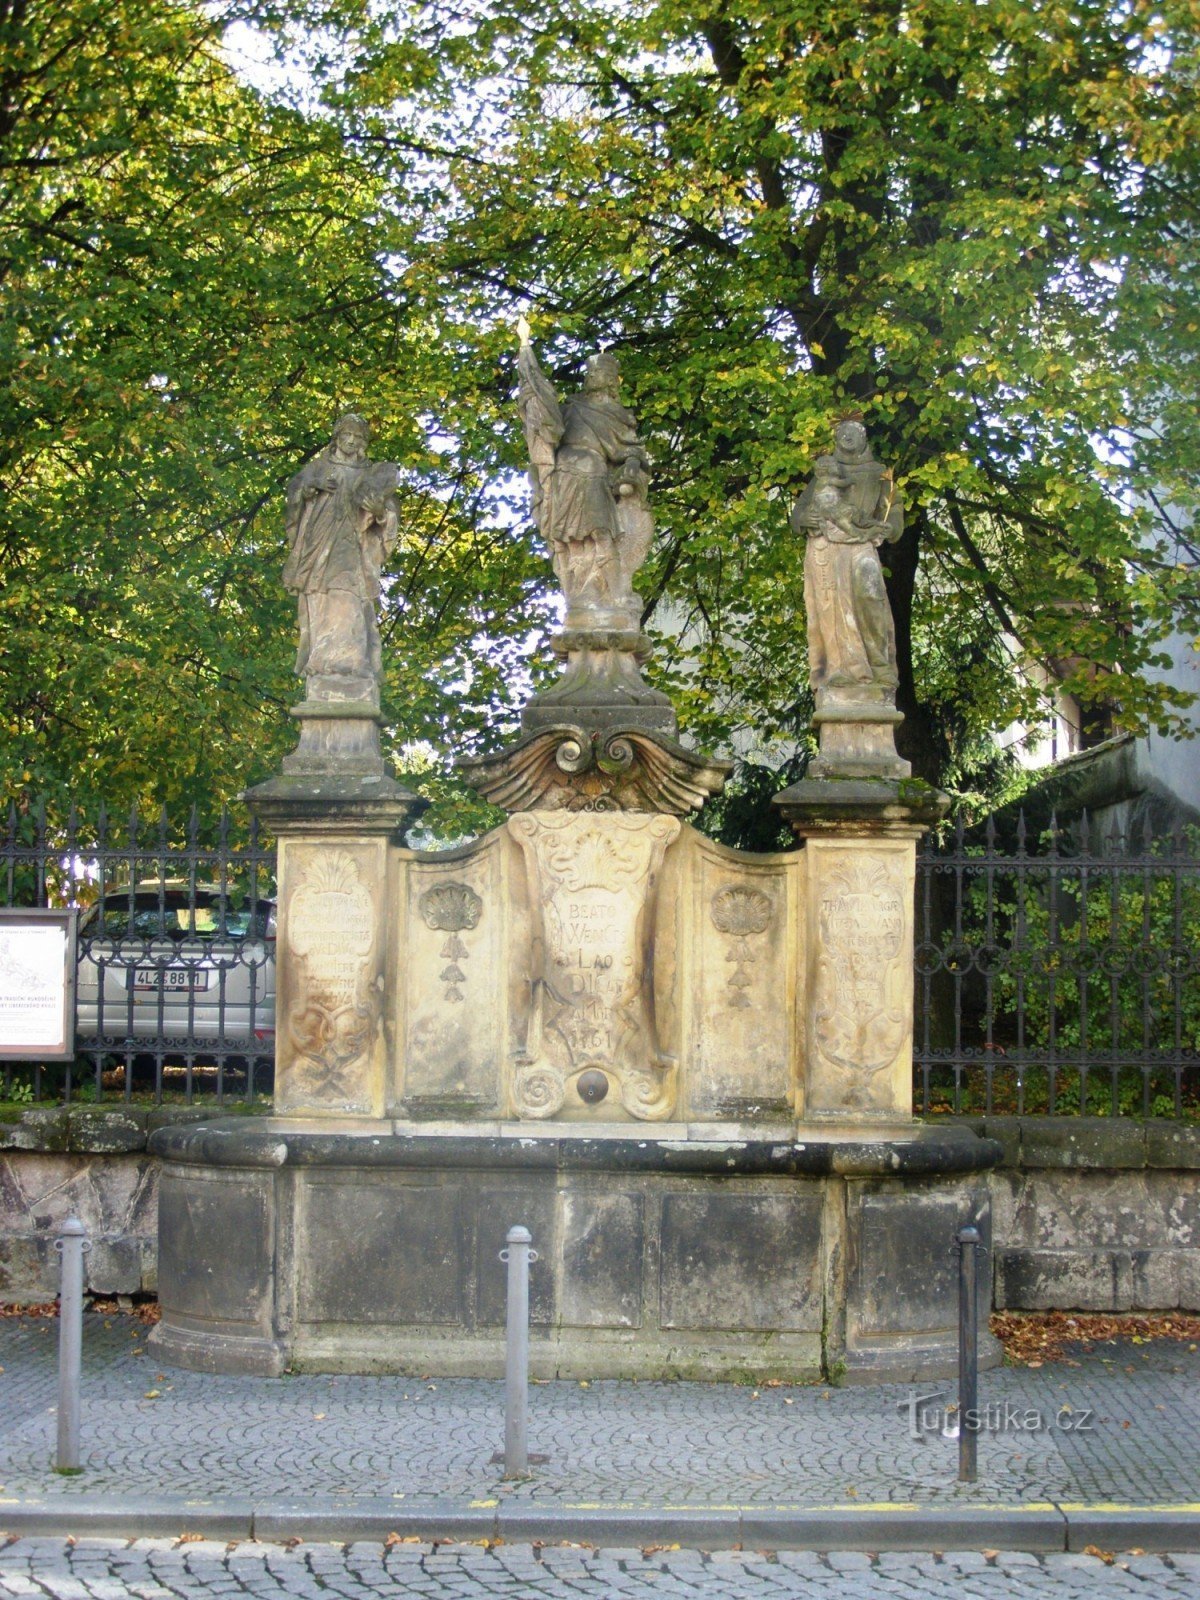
(563, 767)
(371, 1251)
(114, 1197)
(216, 1245)
(107, 1130)
(903, 1259)
(38, 1128)
(845, 513)
(1082, 1142)
(1172, 1144)
(330, 1053)
(655, 1257)
(450, 978)
(1063, 1280)
(737, 1260)
(592, 886)
(727, 964)
(342, 523)
(495, 1209)
(858, 960)
(603, 1241)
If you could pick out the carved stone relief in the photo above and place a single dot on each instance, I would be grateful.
(860, 1019)
(592, 1027)
(452, 908)
(331, 938)
(740, 913)
(452, 952)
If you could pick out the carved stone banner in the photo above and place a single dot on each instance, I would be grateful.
(330, 944)
(592, 1030)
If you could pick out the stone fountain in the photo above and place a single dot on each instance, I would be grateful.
(685, 1068)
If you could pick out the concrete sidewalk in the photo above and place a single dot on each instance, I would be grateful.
(1104, 1453)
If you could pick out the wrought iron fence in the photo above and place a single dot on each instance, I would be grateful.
(1058, 973)
(175, 991)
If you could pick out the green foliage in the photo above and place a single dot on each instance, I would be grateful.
(194, 282)
(1100, 965)
(974, 223)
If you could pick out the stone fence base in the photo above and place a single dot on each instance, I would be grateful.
(1088, 1213)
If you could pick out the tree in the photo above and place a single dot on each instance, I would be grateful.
(193, 284)
(974, 223)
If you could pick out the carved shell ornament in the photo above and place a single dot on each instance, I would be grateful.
(740, 912)
(450, 908)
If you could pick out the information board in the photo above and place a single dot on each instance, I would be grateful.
(37, 985)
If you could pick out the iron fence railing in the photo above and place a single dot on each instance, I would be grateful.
(1058, 972)
(1054, 973)
(175, 956)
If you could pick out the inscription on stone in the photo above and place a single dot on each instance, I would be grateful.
(860, 1021)
(331, 930)
(594, 880)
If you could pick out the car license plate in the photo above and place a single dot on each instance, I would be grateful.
(185, 978)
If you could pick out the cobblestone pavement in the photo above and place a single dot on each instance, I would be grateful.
(95, 1569)
(1120, 1426)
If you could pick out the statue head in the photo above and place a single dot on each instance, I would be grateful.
(603, 375)
(850, 437)
(351, 436)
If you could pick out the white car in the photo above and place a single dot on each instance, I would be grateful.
(177, 970)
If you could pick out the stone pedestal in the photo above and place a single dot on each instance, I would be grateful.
(334, 938)
(338, 738)
(695, 1252)
(860, 845)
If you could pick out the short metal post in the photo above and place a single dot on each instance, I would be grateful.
(968, 1354)
(70, 1244)
(516, 1362)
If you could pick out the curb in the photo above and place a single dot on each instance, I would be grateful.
(99, 1517)
(1037, 1529)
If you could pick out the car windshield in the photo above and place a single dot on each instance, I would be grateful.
(174, 917)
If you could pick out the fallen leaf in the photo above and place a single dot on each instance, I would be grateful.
(400, 1538)
(151, 1394)
(1101, 1555)
(189, 1538)
(318, 1416)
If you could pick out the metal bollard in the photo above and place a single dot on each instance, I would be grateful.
(70, 1244)
(969, 1243)
(516, 1358)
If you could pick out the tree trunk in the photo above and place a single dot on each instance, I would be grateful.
(917, 738)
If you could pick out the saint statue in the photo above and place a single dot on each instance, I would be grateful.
(847, 511)
(590, 474)
(342, 522)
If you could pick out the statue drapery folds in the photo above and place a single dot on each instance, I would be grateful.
(342, 524)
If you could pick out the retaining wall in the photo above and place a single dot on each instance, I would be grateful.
(1088, 1213)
